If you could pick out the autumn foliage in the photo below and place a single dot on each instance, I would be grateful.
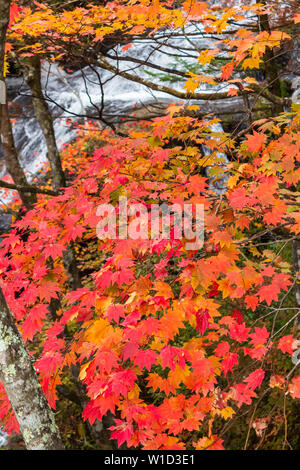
(173, 343)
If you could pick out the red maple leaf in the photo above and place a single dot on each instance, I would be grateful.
(239, 332)
(243, 394)
(268, 293)
(260, 336)
(255, 378)
(230, 361)
(34, 321)
(115, 312)
(222, 349)
(145, 358)
(14, 13)
(227, 71)
(214, 290)
(122, 431)
(255, 142)
(294, 387)
(238, 316)
(202, 317)
(287, 344)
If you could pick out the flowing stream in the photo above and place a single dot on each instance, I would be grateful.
(72, 94)
(93, 92)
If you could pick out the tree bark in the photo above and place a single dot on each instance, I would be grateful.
(32, 74)
(70, 264)
(12, 161)
(17, 373)
(271, 69)
(296, 262)
(10, 153)
(23, 389)
(4, 20)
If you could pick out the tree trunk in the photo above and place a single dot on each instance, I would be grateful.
(296, 261)
(32, 74)
(4, 20)
(70, 264)
(10, 153)
(296, 254)
(11, 158)
(270, 66)
(17, 374)
(23, 389)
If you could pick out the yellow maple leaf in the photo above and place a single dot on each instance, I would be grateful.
(191, 85)
(99, 329)
(227, 412)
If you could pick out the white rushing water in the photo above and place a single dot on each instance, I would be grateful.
(3, 438)
(82, 91)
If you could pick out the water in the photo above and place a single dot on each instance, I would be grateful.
(79, 93)
(3, 438)
(85, 91)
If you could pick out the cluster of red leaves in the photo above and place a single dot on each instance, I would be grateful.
(156, 343)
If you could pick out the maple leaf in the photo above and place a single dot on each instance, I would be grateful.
(122, 382)
(255, 142)
(202, 317)
(214, 291)
(123, 276)
(222, 349)
(34, 321)
(163, 289)
(277, 381)
(14, 13)
(128, 46)
(168, 356)
(160, 270)
(122, 431)
(115, 312)
(106, 360)
(238, 198)
(227, 71)
(233, 92)
(48, 363)
(273, 217)
(255, 378)
(98, 330)
(130, 350)
(251, 301)
(210, 443)
(229, 362)
(260, 336)
(294, 387)
(197, 184)
(238, 316)
(159, 383)
(191, 85)
(242, 394)
(256, 353)
(239, 332)
(287, 344)
(206, 56)
(54, 250)
(48, 290)
(145, 358)
(268, 293)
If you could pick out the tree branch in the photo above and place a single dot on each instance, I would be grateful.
(28, 189)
